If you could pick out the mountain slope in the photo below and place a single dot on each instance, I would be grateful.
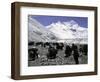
(37, 32)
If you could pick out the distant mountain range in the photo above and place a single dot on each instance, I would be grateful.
(68, 31)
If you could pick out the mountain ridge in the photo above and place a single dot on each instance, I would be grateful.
(59, 31)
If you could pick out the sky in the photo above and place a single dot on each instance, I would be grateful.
(47, 20)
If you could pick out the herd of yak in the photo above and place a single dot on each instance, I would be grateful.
(54, 47)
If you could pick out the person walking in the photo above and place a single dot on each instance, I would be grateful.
(75, 53)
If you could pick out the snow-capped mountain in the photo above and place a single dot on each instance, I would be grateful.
(37, 32)
(68, 30)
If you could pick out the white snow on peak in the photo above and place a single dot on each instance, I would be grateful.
(68, 30)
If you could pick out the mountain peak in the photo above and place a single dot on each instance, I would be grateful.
(73, 22)
(58, 31)
(69, 29)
